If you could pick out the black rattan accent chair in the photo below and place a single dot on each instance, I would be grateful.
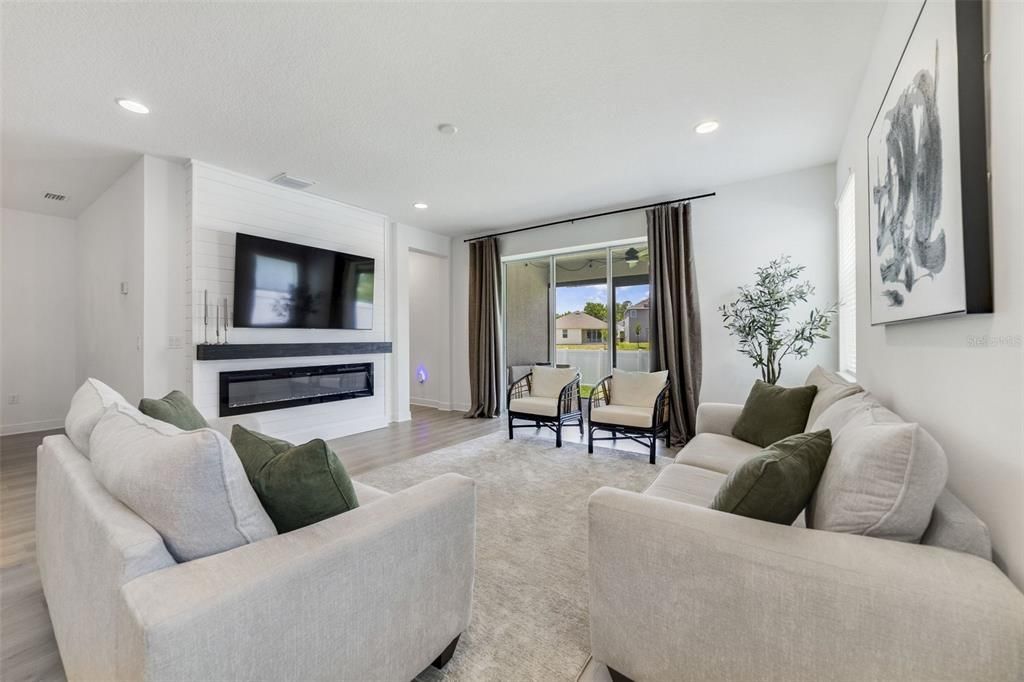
(640, 425)
(552, 413)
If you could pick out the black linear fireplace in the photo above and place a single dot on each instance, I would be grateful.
(258, 390)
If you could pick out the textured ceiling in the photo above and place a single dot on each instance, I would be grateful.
(561, 108)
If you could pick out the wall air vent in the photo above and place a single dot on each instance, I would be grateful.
(291, 182)
(55, 197)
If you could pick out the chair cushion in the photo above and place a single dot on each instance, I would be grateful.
(716, 452)
(772, 413)
(688, 484)
(188, 485)
(882, 480)
(547, 382)
(174, 408)
(776, 484)
(638, 389)
(831, 388)
(547, 407)
(88, 405)
(299, 485)
(623, 415)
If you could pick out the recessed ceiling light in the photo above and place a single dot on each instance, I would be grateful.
(447, 129)
(420, 205)
(706, 127)
(132, 106)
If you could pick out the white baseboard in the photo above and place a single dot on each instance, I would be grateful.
(29, 427)
(427, 402)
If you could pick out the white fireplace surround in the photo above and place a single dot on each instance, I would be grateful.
(221, 203)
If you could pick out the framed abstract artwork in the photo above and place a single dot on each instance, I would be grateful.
(928, 173)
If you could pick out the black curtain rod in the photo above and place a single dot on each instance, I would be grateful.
(592, 215)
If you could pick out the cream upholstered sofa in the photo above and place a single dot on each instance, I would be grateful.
(377, 593)
(681, 592)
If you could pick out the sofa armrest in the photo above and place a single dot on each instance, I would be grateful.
(679, 592)
(224, 424)
(717, 417)
(375, 593)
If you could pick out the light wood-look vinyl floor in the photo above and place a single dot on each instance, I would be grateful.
(28, 650)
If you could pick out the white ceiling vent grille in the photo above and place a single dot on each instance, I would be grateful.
(291, 182)
(55, 197)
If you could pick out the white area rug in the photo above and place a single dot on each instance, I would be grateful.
(530, 601)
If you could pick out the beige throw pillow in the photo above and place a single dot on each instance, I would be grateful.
(88, 404)
(547, 382)
(882, 480)
(637, 389)
(188, 485)
(831, 389)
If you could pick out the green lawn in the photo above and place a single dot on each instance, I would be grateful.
(622, 345)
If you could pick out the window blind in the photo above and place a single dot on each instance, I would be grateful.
(846, 225)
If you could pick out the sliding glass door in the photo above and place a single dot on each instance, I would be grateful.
(588, 309)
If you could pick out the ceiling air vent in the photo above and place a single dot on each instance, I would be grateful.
(291, 182)
(55, 197)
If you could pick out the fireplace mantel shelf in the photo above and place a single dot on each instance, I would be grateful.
(245, 351)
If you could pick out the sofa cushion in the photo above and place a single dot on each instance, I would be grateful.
(858, 409)
(636, 389)
(174, 408)
(881, 480)
(954, 526)
(547, 407)
(88, 404)
(776, 484)
(716, 452)
(367, 494)
(772, 413)
(299, 485)
(188, 485)
(684, 483)
(548, 382)
(622, 415)
(831, 388)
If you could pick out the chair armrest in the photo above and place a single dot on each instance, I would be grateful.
(520, 388)
(682, 592)
(717, 417)
(375, 593)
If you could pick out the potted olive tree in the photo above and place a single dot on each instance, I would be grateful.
(759, 318)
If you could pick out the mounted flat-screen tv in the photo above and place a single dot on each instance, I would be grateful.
(291, 286)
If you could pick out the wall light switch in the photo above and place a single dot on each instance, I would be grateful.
(124, 288)
(13, 399)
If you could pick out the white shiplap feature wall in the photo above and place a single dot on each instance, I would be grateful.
(221, 204)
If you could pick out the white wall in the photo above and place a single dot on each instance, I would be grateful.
(164, 360)
(38, 338)
(962, 379)
(428, 330)
(222, 203)
(110, 251)
(744, 226)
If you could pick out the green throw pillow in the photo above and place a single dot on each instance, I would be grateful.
(174, 408)
(298, 485)
(772, 412)
(777, 484)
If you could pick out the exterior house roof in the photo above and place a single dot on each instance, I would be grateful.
(579, 321)
(646, 303)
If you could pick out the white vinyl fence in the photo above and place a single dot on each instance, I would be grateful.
(594, 364)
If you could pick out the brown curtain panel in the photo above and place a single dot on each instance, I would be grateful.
(675, 315)
(484, 328)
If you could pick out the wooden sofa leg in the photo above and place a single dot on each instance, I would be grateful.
(617, 676)
(447, 654)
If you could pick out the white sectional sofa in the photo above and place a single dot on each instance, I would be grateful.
(681, 592)
(377, 593)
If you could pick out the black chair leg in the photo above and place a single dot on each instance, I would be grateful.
(590, 441)
(617, 676)
(581, 427)
(558, 435)
(447, 654)
(510, 429)
(654, 444)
